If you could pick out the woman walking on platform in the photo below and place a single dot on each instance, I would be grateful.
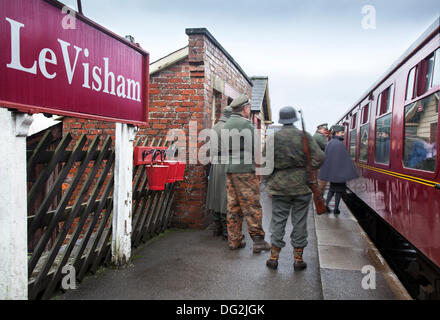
(338, 167)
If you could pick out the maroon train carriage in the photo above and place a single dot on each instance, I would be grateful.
(393, 136)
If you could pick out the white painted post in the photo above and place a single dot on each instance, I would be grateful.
(122, 193)
(13, 205)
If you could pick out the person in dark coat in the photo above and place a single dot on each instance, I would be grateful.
(216, 199)
(338, 167)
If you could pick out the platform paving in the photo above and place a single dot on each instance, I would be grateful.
(192, 264)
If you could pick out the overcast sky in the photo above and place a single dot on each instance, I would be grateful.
(316, 53)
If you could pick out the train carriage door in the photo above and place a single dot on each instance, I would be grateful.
(353, 135)
(383, 126)
(364, 128)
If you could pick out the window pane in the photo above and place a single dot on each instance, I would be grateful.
(353, 136)
(436, 77)
(410, 85)
(389, 105)
(420, 148)
(382, 148)
(379, 102)
(363, 147)
(429, 71)
(353, 121)
(365, 114)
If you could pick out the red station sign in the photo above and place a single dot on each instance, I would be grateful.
(68, 65)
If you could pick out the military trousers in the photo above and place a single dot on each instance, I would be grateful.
(297, 207)
(243, 191)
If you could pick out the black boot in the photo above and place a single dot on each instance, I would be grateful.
(274, 256)
(224, 231)
(299, 263)
(218, 229)
(260, 244)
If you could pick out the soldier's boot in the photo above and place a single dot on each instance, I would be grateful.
(218, 229)
(299, 263)
(240, 246)
(224, 231)
(274, 255)
(260, 244)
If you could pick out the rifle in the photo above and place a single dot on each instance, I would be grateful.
(311, 174)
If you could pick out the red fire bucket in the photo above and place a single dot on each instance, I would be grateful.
(180, 171)
(157, 176)
(172, 171)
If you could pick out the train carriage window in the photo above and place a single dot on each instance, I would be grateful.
(385, 101)
(383, 126)
(363, 146)
(365, 114)
(382, 147)
(411, 84)
(421, 130)
(353, 135)
(436, 75)
(425, 75)
(353, 121)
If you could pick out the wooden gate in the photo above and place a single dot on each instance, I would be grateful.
(70, 208)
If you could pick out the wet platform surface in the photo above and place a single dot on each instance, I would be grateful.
(189, 264)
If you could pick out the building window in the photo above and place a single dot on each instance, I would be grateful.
(385, 101)
(421, 130)
(411, 84)
(382, 147)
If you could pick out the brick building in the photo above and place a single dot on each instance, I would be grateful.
(194, 83)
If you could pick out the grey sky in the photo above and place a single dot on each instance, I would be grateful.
(315, 52)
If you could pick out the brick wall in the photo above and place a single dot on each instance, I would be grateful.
(181, 93)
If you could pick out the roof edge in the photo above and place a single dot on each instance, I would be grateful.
(433, 29)
(205, 32)
(169, 60)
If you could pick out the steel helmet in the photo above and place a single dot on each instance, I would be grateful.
(288, 115)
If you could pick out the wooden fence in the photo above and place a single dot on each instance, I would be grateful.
(70, 208)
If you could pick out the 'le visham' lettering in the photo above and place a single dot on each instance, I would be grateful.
(101, 78)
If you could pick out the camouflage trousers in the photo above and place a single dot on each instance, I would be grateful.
(243, 201)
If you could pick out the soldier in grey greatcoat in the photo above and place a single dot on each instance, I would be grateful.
(320, 137)
(216, 199)
(288, 187)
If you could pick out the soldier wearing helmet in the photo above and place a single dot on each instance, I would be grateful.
(288, 187)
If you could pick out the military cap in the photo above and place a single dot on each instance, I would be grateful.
(324, 125)
(288, 115)
(240, 101)
(337, 128)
